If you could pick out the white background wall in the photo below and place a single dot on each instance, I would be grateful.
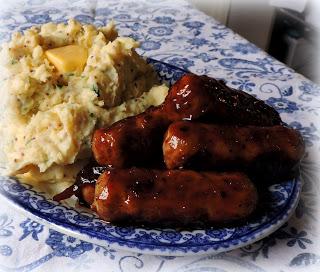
(216, 8)
(252, 19)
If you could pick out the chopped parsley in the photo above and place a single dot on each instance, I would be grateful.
(96, 89)
(30, 140)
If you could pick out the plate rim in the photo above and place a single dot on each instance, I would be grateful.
(166, 249)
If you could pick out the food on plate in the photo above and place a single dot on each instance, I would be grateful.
(59, 83)
(249, 148)
(71, 91)
(173, 197)
(191, 98)
(84, 186)
(201, 97)
(202, 125)
(68, 59)
(135, 141)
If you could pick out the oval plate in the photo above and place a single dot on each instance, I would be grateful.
(78, 222)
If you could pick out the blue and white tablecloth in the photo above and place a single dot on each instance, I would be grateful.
(176, 33)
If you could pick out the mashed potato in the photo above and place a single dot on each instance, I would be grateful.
(47, 118)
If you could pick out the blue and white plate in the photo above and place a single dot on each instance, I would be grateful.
(83, 224)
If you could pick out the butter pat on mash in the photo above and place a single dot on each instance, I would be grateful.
(67, 59)
(59, 83)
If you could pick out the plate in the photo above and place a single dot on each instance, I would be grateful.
(77, 222)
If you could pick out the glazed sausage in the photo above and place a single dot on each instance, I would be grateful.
(251, 148)
(84, 186)
(136, 141)
(173, 197)
(200, 97)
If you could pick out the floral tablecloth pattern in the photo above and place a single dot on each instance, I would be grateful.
(174, 32)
